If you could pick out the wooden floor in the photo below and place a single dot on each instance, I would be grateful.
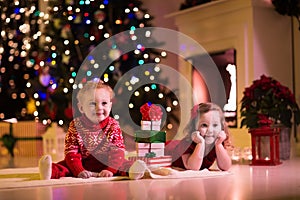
(246, 182)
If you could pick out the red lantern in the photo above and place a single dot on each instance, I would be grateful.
(265, 146)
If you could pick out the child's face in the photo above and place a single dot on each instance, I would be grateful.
(210, 126)
(96, 106)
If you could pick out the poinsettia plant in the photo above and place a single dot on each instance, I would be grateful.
(268, 102)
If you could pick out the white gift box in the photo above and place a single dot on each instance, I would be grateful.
(156, 145)
(144, 148)
(151, 125)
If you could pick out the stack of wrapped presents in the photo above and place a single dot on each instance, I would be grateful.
(150, 140)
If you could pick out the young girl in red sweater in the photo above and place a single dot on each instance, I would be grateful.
(94, 145)
(207, 137)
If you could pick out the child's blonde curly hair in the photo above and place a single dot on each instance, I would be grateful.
(92, 85)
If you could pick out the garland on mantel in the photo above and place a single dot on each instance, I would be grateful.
(192, 3)
(9, 140)
(288, 7)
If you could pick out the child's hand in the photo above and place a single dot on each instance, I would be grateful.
(105, 173)
(197, 138)
(85, 174)
(221, 137)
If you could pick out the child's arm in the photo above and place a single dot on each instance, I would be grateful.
(194, 161)
(223, 159)
(116, 154)
(74, 163)
(72, 155)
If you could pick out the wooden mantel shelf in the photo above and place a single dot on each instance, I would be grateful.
(196, 8)
(216, 8)
(205, 9)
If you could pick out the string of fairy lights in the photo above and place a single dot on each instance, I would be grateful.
(28, 22)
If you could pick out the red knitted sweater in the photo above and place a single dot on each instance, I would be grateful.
(94, 147)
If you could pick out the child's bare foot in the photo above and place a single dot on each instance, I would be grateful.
(137, 170)
(45, 167)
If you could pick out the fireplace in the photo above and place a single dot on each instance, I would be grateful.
(225, 62)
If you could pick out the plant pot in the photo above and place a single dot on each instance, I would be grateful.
(285, 143)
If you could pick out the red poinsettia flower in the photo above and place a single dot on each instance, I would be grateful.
(268, 102)
(264, 120)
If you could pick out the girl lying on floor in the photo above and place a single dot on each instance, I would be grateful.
(207, 138)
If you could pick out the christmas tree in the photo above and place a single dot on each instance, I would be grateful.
(18, 49)
(42, 50)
